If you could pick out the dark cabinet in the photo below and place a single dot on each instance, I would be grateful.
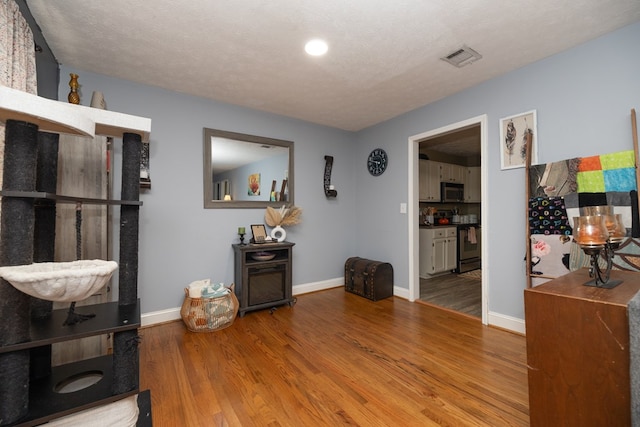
(263, 275)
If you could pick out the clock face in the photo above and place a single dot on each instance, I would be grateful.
(377, 162)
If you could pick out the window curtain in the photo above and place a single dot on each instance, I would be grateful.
(17, 49)
(17, 57)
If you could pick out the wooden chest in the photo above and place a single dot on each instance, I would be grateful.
(367, 278)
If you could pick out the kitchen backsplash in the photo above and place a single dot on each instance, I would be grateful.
(454, 212)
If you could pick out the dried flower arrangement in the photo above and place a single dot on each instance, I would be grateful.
(283, 216)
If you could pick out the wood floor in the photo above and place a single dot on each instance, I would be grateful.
(455, 292)
(337, 359)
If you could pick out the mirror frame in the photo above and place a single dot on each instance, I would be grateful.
(207, 175)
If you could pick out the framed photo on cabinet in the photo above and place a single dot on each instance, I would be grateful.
(513, 140)
(259, 233)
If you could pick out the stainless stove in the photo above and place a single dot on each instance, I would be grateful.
(469, 248)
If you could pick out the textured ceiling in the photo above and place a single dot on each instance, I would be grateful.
(383, 57)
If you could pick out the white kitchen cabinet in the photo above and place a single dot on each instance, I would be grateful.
(433, 173)
(472, 186)
(429, 181)
(438, 248)
(452, 173)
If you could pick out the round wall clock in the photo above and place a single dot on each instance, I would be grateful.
(377, 162)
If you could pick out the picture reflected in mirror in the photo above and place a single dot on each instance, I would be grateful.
(246, 171)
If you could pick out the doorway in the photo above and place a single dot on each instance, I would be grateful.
(414, 203)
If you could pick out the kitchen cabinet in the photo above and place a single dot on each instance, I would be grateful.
(438, 247)
(472, 185)
(433, 173)
(452, 173)
(429, 181)
(578, 351)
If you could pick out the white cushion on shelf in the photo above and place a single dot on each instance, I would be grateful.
(123, 413)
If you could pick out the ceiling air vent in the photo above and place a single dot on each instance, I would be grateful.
(461, 57)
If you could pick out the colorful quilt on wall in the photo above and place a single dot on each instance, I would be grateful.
(557, 192)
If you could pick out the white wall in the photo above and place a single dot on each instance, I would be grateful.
(583, 99)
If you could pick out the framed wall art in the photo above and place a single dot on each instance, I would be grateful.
(253, 188)
(513, 140)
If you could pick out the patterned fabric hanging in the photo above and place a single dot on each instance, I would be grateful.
(547, 215)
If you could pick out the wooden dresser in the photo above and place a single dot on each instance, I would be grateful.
(578, 351)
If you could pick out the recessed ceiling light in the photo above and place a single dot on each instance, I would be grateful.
(316, 47)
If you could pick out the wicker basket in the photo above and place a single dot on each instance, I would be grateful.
(209, 314)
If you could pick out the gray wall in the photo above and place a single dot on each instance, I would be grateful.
(180, 241)
(583, 98)
(270, 169)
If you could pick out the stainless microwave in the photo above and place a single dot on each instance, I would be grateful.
(451, 192)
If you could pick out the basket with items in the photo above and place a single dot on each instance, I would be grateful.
(209, 307)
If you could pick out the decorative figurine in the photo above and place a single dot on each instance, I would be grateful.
(74, 97)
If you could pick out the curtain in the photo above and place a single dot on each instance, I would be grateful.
(17, 49)
(17, 57)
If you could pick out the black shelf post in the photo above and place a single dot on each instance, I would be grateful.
(44, 239)
(125, 344)
(16, 248)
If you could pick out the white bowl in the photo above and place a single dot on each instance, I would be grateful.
(60, 281)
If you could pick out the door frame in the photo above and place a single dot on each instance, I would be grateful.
(414, 205)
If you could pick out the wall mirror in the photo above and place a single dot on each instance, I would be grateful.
(246, 171)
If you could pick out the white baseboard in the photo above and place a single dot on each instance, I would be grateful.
(401, 292)
(161, 316)
(495, 319)
(171, 314)
(507, 322)
(318, 286)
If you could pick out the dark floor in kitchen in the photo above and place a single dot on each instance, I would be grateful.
(459, 292)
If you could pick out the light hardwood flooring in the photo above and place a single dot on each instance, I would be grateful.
(455, 292)
(334, 359)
